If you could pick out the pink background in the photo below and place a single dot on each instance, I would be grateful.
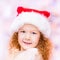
(8, 13)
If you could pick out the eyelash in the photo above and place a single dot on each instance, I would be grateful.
(33, 33)
(25, 32)
(22, 31)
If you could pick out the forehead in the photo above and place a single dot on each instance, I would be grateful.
(29, 26)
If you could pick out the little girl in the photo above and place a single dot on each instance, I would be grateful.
(30, 32)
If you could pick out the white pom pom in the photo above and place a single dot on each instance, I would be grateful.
(29, 54)
(33, 50)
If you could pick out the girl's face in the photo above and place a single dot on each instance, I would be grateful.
(28, 36)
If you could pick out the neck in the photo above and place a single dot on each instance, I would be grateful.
(22, 49)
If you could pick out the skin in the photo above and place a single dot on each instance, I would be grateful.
(28, 36)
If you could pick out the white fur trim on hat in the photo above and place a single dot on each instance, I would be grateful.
(40, 21)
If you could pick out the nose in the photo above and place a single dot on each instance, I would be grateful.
(27, 36)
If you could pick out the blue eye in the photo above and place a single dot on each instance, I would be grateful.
(22, 31)
(33, 32)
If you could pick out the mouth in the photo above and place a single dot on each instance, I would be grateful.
(27, 43)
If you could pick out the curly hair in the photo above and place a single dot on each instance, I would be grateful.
(44, 46)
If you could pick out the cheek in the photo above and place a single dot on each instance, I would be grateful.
(35, 39)
(20, 38)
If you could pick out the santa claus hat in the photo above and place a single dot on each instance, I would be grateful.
(34, 17)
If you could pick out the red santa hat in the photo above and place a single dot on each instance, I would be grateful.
(34, 17)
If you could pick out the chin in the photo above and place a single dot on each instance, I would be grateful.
(25, 48)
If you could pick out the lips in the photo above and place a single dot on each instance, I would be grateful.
(28, 43)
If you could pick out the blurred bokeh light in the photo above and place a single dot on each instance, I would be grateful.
(8, 13)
